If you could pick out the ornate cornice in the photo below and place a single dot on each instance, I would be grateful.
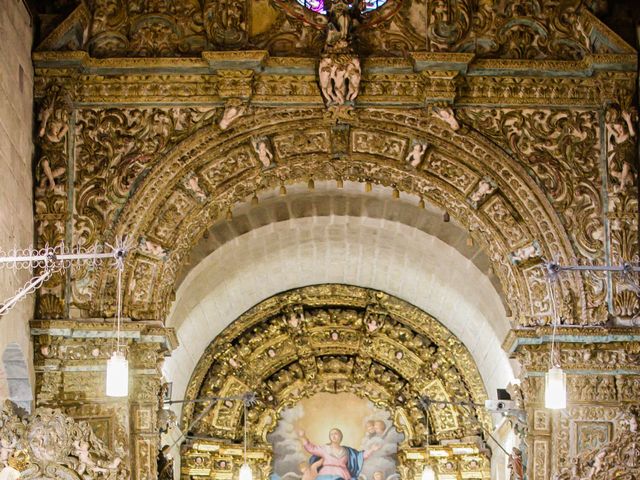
(138, 331)
(520, 337)
(455, 78)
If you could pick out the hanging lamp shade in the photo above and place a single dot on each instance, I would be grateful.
(245, 472)
(428, 473)
(555, 389)
(117, 375)
(9, 473)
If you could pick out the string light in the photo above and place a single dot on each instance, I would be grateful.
(245, 469)
(555, 380)
(428, 473)
(118, 365)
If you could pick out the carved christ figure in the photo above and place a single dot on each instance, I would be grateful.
(341, 16)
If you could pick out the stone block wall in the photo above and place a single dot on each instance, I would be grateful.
(16, 210)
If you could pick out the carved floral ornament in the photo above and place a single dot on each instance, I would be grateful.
(618, 458)
(446, 170)
(337, 338)
(214, 169)
(536, 29)
(49, 445)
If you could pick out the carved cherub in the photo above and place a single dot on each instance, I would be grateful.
(485, 188)
(153, 248)
(525, 253)
(193, 184)
(446, 114)
(264, 153)
(49, 175)
(234, 109)
(416, 154)
(7, 446)
(54, 116)
(325, 74)
(353, 76)
(620, 134)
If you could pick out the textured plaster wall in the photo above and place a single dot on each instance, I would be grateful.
(374, 253)
(16, 211)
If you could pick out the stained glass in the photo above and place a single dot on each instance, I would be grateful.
(318, 5)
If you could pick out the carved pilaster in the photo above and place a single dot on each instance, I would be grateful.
(603, 380)
(621, 135)
(70, 364)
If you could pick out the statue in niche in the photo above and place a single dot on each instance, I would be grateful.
(342, 19)
(516, 469)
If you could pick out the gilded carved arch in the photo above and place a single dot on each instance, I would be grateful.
(337, 338)
(459, 171)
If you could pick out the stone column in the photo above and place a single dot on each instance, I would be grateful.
(603, 385)
(70, 364)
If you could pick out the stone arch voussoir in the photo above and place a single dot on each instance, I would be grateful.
(462, 172)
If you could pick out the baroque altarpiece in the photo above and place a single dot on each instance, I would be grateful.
(156, 119)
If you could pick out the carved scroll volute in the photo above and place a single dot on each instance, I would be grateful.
(226, 23)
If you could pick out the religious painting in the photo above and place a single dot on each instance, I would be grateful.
(335, 437)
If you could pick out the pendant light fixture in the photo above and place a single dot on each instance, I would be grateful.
(245, 469)
(428, 473)
(118, 365)
(555, 380)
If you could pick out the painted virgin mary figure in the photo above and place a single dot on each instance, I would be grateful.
(334, 461)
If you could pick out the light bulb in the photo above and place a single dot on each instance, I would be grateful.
(555, 389)
(245, 472)
(428, 473)
(9, 473)
(117, 376)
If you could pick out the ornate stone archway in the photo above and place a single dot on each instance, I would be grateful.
(331, 338)
(336, 338)
(518, 125)
(461, 172)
